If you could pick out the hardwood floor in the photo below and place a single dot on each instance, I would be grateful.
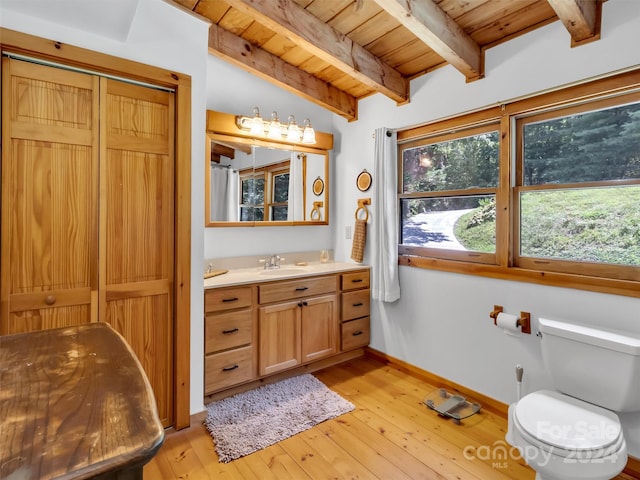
(390, 435)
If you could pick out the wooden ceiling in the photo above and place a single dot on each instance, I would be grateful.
(334, 52)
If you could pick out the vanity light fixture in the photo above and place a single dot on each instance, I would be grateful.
(274, 129)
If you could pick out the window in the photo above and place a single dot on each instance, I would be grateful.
(545, 189)
(578, 189)
(280, 194)
(265, 189)
(251, 197)
(449, 185)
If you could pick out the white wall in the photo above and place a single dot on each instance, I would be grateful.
(163, 36)
(441, 323)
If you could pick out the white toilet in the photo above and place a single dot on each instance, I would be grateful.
(573, 433)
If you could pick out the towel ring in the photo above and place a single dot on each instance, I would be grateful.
(366, 218)
(315, 212)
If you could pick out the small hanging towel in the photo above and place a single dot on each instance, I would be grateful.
(359, 236)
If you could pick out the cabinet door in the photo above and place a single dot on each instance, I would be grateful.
(279, 330)
(320, 327)
(136, 227)
(49, 197)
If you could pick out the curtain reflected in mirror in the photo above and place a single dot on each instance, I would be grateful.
(224, 204)
(296, 186)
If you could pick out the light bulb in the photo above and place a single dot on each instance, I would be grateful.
(275, 130)
(257, 125)
(309, 134)
(293, 132)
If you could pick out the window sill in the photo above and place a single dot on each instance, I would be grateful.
(581, 282)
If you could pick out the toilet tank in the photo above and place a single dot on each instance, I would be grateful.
(596, 365)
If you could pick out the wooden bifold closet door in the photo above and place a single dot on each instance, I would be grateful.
(88, 210)
(136, 226)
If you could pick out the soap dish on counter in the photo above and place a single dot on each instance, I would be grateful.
(214, 273)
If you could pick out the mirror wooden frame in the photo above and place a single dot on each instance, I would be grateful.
(222, 127)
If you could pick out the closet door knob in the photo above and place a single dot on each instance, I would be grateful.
(50, 300)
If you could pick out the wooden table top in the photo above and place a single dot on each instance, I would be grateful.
(74, 403)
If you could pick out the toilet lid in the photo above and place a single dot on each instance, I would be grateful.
(566, 422)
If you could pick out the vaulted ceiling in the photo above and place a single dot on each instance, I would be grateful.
(334, 52)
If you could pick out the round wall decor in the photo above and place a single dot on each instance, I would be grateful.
(364, 181)
(318, 187)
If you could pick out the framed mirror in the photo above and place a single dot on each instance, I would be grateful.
(253, 181)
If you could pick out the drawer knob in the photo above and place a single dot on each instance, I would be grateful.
(359, 304)
(228, 369)
(303, 304)
(355, 334)
(358, 280)
(301, 289)
(233, 330)
(227, 300)
(50, 300)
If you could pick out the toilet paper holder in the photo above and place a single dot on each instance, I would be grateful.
(524, 320)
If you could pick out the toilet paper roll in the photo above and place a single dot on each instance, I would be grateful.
(507, 322)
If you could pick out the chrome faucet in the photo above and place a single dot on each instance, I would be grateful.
(272, 263)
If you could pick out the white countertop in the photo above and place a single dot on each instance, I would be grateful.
(241, 276)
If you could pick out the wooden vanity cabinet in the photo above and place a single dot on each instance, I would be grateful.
(257, 330)
(355, 303)
(297, 322)
(228, 337)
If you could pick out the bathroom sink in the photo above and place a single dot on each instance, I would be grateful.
(289, 270)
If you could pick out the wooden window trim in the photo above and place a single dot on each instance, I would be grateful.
(269, 171)
(623, 272)
(282, 170)
(481, 124)
(54, 51)
(608, 91)
(250, 173)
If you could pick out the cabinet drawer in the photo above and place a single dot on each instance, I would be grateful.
(290, 290)
(227, 330)
(355, 334)
(218, 299)
(225, 369)
(355, 304)
(355, 280)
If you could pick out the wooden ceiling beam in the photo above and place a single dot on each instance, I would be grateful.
(582, 18)
(222, 150)
(253, 59)
(233, 146)
(436, 29)
(288, 19)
